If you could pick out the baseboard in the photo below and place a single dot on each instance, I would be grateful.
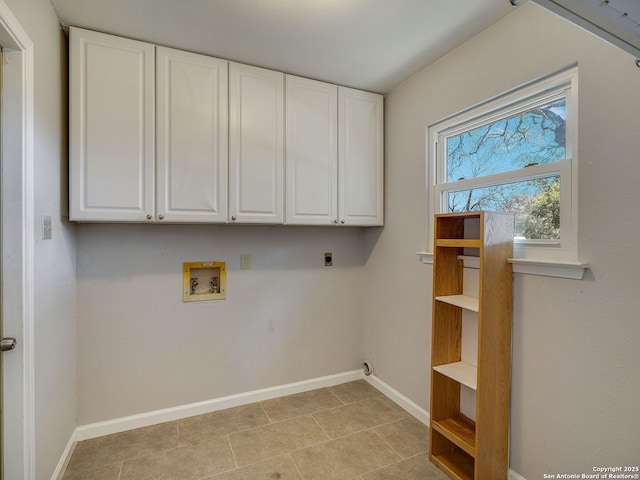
(66, 456)
(409, 405)
(515, 476)
(93, 430)
(146, 419)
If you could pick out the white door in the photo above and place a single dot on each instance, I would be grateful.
(311, 152)
(191, 137)
(2, 439)
(360, 157)
(256, 145)
(17, 233)
(111, 95)
(12, 363)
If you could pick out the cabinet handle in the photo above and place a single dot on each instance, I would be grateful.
(161, 217)
(149, 216)
(233, 218)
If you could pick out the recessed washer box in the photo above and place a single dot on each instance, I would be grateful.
(204, 281)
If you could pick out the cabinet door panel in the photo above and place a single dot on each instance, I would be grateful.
(360, 157)
(311, 153)
(256, 145)
(191, 137)
(111, 128)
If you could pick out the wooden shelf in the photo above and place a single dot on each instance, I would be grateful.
(460, 447)
(461, 372)
(460, 430)
(464, 301)
(457, 464)
(458, 242)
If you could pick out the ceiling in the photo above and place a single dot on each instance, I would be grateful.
(367, 44)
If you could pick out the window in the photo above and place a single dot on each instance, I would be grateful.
(515, 153)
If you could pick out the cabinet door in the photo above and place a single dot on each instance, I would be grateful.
(111, 166)
(360, 157)
(191, 133)
(256, 145)
(311, 152)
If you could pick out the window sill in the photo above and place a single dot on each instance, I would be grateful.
(572, 270)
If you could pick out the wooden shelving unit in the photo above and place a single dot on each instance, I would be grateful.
(463, 448)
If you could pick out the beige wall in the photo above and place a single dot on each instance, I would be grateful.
(288, 318)
(54, 320)
(575, 343)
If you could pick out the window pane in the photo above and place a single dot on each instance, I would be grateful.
(536, 136)
(535, 203)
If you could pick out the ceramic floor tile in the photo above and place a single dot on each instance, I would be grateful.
(407, 437)
(414, 468)
(110, 449)
(258, 444)
(110, 472)
(347, 432)
(355, 417)
(300, 404)
(355, 391)
(190, 462)
(344, 458)
(281, 468)
(196, 429)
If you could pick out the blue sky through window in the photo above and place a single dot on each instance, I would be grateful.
(534, 137)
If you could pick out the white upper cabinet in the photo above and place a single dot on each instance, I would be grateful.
(163, 135)
(256, 145)
(311, 152)
(111, 128)
(360, 157)
(191, 137)
(334, 155)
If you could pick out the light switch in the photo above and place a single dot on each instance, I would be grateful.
(245, 261)
(46, 227)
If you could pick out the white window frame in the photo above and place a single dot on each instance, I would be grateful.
(543, 91)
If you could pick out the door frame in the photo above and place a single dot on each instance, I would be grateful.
(18, 245)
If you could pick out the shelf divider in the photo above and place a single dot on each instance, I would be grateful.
(456, 464)
(461, 372)
(464, 301)
(460, 430)
(458, 242)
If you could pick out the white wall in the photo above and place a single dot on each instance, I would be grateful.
(575, 382)
(55, 342)
(289, 318)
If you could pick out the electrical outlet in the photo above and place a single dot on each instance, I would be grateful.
(245, 261)
(328, 259)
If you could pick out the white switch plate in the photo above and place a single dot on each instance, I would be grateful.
(245, 261)
(46, 227)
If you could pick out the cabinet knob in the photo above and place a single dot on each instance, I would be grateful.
(342, 222)
(233, 218)
(335, 221)
(161, 217)
(149, 216)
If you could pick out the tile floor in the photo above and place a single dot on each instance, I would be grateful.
(346, 432)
